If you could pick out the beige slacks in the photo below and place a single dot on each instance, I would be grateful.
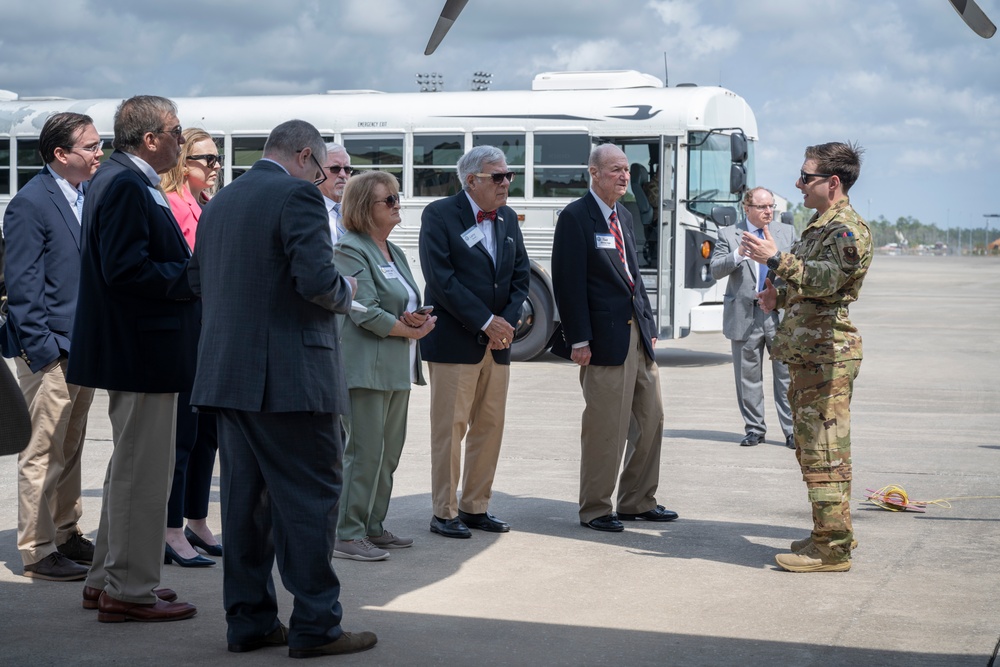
(467, 401)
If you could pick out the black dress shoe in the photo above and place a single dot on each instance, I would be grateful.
(277, 637)
(449, 527)
(196, 561)
(752, 439)
(484, 521)
(608, 523)
(78, 549)
(658, 513)
(790, 442)
(210, 549)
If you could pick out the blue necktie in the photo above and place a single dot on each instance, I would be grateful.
(761, 268)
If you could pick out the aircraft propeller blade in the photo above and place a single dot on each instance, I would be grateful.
(452, 8)
(974, 17)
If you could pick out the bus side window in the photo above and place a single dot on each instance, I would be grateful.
(4, 166)
(561, 165)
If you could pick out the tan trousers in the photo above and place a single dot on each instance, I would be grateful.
(48, 471)
(616, 397)
(467, 401)
(128, 551)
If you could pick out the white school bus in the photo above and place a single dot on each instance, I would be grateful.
(689, 148)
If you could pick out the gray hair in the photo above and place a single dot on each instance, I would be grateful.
(598, 154)
(289, 138)
(334, 147)
(138, 115)
(473, 161)
(748, 195)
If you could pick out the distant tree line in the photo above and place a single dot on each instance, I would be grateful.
(910, 232)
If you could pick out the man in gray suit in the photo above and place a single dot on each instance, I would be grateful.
(269, 363)
(748, 328)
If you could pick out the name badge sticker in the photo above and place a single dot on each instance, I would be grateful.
(472, 236)
(158, 196)
(604, 241)
(388, 271)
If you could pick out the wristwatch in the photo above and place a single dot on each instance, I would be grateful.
(774, 260)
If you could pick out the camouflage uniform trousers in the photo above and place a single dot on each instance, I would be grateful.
(820, 399)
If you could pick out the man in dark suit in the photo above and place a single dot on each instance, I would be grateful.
(608, 329)
(135, 334)
(750, 330)
(269, 363)
(42, 227)
(476, 272)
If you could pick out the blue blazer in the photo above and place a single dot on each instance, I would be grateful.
(43, 269)
(263, 264)
(136, 326)
(463, 284)
(591, 287)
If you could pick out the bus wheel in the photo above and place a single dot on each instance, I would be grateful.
(531, 336)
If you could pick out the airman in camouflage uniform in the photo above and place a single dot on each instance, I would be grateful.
(822, 275)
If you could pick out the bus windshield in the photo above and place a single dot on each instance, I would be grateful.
(709, 162)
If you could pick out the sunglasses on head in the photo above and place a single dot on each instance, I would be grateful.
(210, 159)
(499, 178)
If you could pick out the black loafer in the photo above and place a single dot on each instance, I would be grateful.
(608, 523)
(277, 637)
(752, 439)
(658, 513)
(484, 521)
(449, 527)
(790, 442)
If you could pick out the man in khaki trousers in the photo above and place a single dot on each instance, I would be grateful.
(608, 329)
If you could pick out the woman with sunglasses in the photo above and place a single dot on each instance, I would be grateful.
(189, 186)
(381, 360)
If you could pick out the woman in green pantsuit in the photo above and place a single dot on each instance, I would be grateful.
(381, 361)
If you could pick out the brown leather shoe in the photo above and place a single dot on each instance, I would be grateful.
(111, 610)
(92, 595)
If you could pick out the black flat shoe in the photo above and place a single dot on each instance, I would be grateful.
(198, 561)
(658, 513)
(449, 527)
(608, 523)
(197, 542)
(484, 521)
(752, 440)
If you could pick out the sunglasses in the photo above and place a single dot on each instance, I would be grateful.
(805, 178)
(176, 132)
(389, 201)
(498, 178)
(210, 159)
(335, 169)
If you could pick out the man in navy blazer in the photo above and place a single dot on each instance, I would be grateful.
(476, 272)
(135, 334)
(269, 363)
(42, 227)
(608, 329)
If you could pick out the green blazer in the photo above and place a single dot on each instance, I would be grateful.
(372, 358)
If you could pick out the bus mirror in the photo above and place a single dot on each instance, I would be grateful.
(738, 147)
(724, 216)
(737, 178)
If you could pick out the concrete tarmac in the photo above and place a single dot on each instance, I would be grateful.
(703, 590)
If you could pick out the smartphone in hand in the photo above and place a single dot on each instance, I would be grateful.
(424, 310)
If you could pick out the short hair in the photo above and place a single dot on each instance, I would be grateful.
(334, 147)
(359, 197)
(473, 161)
(597, 154)
(138, 115)
(58, 132)
(842, 160)
(748, 195)
(174, 179)
(289, 138)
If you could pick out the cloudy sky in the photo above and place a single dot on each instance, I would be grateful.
(905, 78)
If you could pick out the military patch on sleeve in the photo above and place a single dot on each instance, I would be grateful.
(847, 245)
(851, 255)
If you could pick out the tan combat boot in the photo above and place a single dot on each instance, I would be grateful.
(811, 560)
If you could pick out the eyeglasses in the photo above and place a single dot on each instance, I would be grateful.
(389, 201)
(335, 169)
(322, 178)
(93, 148)
(805, 178)
(498, 178)
(177, 131)
(211, 159)
(762, 207)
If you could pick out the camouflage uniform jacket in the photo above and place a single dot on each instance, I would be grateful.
(823, 274)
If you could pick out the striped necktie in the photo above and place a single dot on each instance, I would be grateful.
(79, 206)
(619, 243)
(761, 268)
